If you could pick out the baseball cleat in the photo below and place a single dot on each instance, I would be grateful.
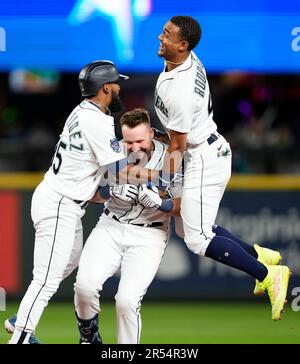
(268, 257)
(9, 326)
(276, 283)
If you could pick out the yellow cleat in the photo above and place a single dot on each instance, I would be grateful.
(268, 257)
(276, 283)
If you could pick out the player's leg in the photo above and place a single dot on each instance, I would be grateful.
(72, 264)
(202, 201)
(76, 251)
(264, 255)
(140, 263)
(55, 219)
(200, 204)
(100, 259)
(221, 231)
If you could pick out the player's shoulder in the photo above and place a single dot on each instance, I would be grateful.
(192, 66)
(87, 108)
(159, 150)
(196, 60)
(91, 117)
(159, 145)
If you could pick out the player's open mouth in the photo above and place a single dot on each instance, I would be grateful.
(162, 47)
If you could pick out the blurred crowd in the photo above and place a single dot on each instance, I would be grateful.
(259, 115)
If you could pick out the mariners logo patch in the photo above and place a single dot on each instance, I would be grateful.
(115, 146)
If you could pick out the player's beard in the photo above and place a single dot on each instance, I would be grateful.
(116, 104)
(139, 157)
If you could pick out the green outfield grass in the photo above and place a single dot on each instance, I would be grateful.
(169, 323)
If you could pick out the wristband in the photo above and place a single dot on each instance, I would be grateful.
(166, 205)
(104, 191)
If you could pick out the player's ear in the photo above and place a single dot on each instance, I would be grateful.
(106, 88)
(184, 45)
(152, 133)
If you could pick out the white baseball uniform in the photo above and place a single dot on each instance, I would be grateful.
(183, 104)
(86, 145)
(131, 238)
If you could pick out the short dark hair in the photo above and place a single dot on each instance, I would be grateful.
(189, 29)
(135, 117)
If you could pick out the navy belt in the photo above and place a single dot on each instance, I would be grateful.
(153, 224)
(82, 204)
(212, 138)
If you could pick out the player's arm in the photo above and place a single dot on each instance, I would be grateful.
(176, 201)
(127, 193)
(176, 207)
(180, 117)
(150, 197)
(110, 185)
(174, 155)
(97, 198)
(135, 174)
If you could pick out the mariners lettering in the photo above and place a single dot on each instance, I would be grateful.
(160, 105)
(200, 82)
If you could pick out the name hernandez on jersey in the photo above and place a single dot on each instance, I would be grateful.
(182, 100)
(87, 144)
(139, 214)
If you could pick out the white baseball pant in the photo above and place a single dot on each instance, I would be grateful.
(58, 245)
(207, 172)
(111, 246)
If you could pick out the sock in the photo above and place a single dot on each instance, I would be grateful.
(226, 251)
(89, 332)
(220, 231)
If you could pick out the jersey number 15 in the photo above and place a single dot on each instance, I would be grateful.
(57, 158)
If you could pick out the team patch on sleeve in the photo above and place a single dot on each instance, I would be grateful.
(115, 146)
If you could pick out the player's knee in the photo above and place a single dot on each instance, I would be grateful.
(198, 244)
(85, 292)
(126, 303)
(86, 301)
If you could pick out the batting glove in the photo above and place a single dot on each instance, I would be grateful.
(126, 192)
(149, 197)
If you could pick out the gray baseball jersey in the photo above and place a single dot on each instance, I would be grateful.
(139, 214)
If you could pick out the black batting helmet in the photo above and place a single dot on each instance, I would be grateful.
(95, 74)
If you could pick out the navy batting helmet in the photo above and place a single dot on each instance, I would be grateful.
(95, 74)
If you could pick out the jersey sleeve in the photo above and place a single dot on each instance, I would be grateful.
(102, 139)
(182, 106)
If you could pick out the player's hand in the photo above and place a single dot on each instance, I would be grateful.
(126, 192)
(149, 196)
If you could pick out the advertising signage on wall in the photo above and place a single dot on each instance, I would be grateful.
(10, 265)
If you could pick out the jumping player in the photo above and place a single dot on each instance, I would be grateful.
(184, 106)
(87, 144)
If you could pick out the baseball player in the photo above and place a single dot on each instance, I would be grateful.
(86, 146)
(184, 106)
(130, 238)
